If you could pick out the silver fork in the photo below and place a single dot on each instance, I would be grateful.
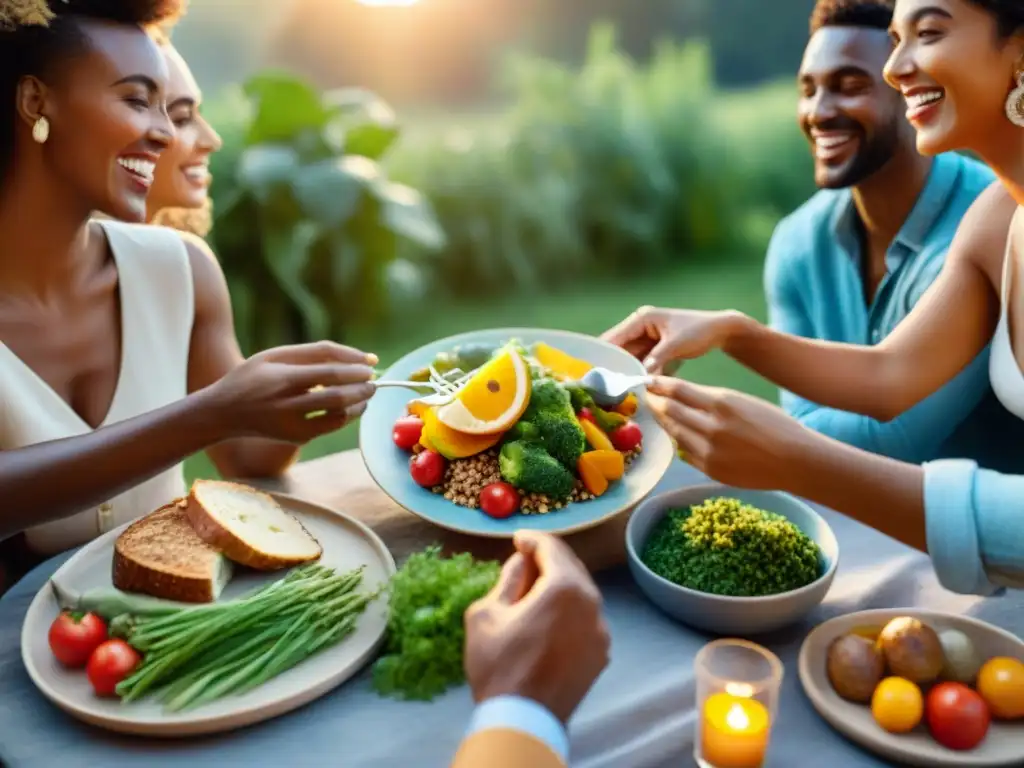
(610, 388)
(439, 387)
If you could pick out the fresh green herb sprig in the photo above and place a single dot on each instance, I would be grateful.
(726, 547)
(428, 598)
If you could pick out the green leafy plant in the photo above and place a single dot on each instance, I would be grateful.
(307, 225)
(606, 168)
(428, 599)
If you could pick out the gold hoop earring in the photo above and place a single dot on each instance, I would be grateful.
(1015, 101)
(41, 130)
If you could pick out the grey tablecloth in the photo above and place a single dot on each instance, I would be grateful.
(640, 714)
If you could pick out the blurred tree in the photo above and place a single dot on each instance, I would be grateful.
(754, 41)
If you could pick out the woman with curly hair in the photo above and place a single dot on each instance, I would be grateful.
(960, 67)
(118, 358)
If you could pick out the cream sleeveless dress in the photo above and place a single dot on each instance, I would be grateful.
(157, 312)
(1004, 372)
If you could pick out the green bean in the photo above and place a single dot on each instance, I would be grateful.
(203, 653)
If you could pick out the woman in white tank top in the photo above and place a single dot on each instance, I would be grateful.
(117, 354)
(960, 65)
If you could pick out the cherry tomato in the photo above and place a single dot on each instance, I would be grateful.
(109, 664)
(499, 500)
(427, 468)
(586, 415)
(957, 717)
(627, 437)
(73, 637)
(897, 705)
(407, 432)
(1001, 684)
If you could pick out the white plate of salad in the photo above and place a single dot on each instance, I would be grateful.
(269, 642)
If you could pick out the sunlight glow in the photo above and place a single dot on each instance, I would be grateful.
(391, 3)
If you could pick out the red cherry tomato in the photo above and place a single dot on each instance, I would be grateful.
(499, 500)
(957, 716)
(109, 664)
(427, 468)
(586, 415)
(627, 437)
(73, 637)
(407, 431)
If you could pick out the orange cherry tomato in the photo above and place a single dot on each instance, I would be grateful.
(1001, 684)
(897, 705)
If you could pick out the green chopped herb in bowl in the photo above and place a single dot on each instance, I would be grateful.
(731, 561)
(726, 547)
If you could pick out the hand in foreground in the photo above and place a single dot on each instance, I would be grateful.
(293, 393)
(731, 437)
(661, 336)
(540, 632)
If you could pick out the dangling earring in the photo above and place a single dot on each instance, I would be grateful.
(1015, 101)
(41, 130)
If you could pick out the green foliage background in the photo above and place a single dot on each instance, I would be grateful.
(593, 189)
(331, 213)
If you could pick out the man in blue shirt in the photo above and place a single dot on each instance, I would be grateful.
(852, 262)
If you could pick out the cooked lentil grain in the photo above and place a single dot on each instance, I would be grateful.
(465, 478)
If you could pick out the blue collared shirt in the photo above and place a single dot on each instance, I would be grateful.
(524, 715)
(815, 289)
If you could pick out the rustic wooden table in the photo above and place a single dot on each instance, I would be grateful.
(341, 482)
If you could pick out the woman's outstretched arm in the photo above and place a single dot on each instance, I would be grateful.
(947, 329)
(951, 324)
(213, 352)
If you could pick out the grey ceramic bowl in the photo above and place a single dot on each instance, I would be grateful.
(717, 614)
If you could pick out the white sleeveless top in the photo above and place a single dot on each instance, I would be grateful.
(1004, 372)
(157, 311)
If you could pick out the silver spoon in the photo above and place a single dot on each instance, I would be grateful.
(609, 388)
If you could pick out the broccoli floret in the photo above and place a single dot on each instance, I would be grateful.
(547, 395)
(726, 547)
(530, 468)
(523, 430)
(550, 410)
(562, 437)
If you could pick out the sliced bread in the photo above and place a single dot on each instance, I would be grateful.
(162, 556)
(249, 526)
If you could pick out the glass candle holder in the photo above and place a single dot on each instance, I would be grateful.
(737, 699)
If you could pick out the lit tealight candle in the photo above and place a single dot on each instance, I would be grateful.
(734, 731)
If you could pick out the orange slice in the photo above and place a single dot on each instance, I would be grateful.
(560, 363)
(493, 400)
(452, 444)
(598, 440)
